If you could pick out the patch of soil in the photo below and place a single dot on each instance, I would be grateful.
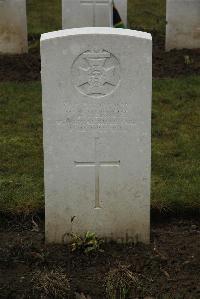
(26, 67)
(167, 268)
(175, 62)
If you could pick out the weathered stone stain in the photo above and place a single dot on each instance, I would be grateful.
(196, 34)
(13, 27)
(12, 38)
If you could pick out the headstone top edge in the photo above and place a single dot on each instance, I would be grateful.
(95, 30)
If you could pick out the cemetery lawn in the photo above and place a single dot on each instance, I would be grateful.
(166, 268)
(148, 15)
(175, 147)
(44, 16)
(144, 15)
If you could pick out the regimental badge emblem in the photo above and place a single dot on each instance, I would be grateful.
(96, 73)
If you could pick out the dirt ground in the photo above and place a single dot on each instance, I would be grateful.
(167, 268)
(165, 64)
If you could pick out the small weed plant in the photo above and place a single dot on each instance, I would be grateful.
(87, 244)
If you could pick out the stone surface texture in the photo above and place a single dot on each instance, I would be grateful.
(183, 24)
(13, 27)
(87, 13)
(96, 86)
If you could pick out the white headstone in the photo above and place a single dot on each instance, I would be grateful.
(87, 13)
(183, 24)
(122, 8)
(97, 132)
(13, 27)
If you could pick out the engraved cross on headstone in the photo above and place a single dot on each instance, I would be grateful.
(94, 4)
(97, 164)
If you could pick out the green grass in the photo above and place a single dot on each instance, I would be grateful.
(147, 15)
(175, 145)
(44, 16)
(21, 169)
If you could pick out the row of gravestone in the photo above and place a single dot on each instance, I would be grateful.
(75, 13)
(183, 21)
